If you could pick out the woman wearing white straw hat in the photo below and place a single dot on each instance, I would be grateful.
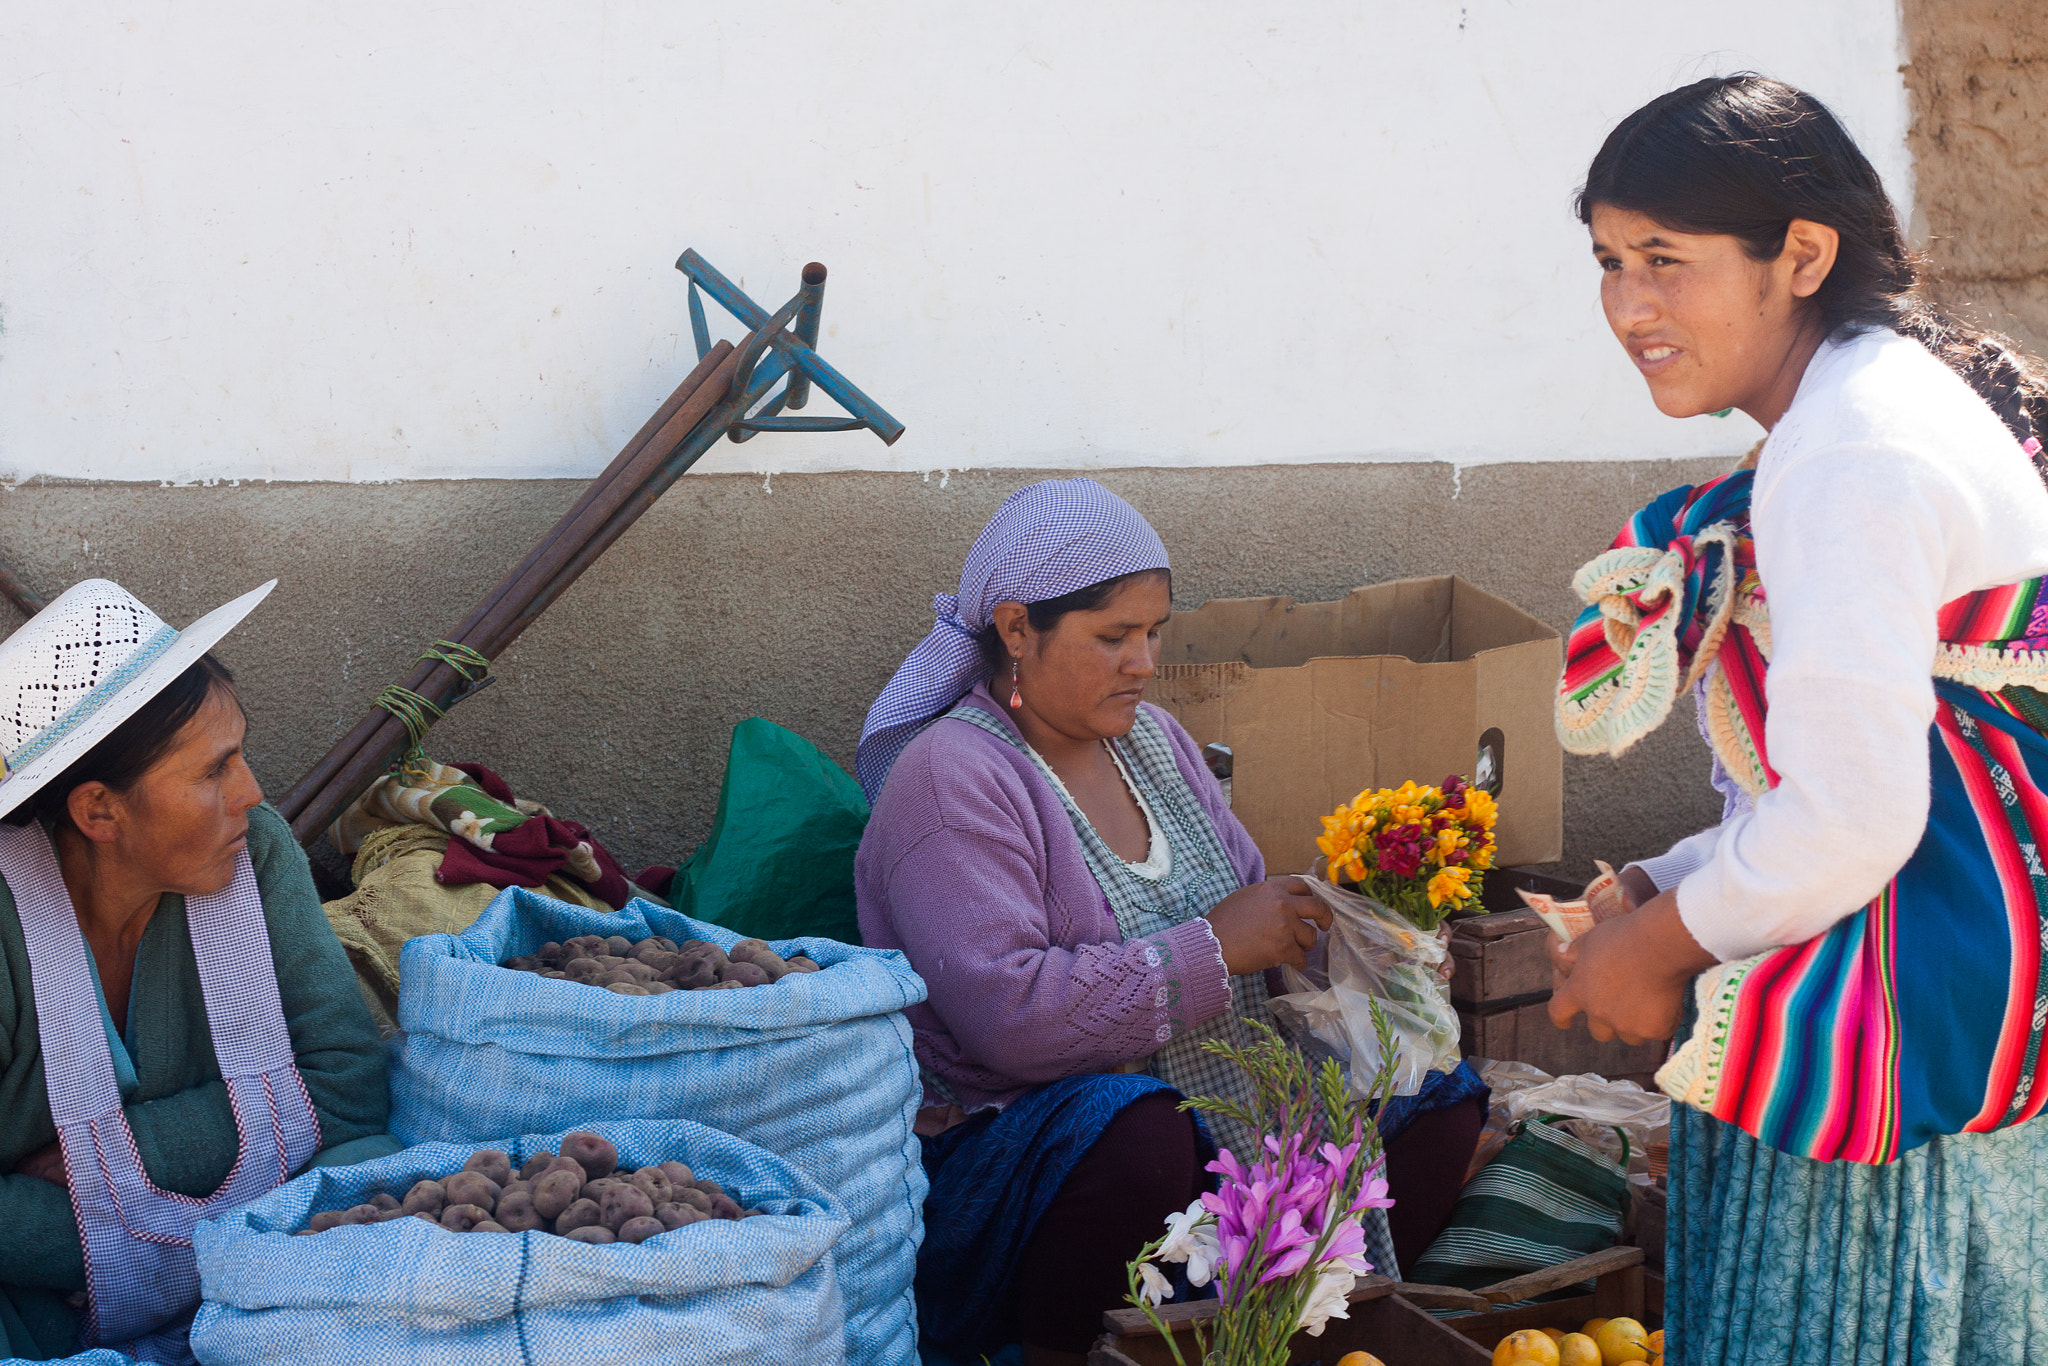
(179, 1030)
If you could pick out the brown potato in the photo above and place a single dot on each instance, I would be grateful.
(556, 1191)
(618, 945)
(385, 1202)
(674, 1216)
(463, 1218)
(360, 1214)
(491, 1163)
(593, 1233)
(693, 974)
(801, 963)
(695, 1199)
(523, 963)
(535, 1165)
(621, 1203)
(472, 1188)
(489, 1226)
(626, 988)
(728, 986)
(516, 1212)
(578, 1215)
(655, 1182)
(431, 1197)
(648, 948)
(746, 974)
(725, 1207)
(659, 988)
(641, 1229)
(677, 1174)
(592, 1152)
(582, 969)
(747, 948)
(585, 945)
(325, 1220)
(551, 953)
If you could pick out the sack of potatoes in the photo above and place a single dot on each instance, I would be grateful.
(656, 1240)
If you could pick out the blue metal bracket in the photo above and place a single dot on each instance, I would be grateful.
(777, 352)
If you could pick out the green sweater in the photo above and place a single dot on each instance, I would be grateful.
(184, 1127)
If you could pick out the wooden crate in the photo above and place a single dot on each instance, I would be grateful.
(1621, 1289)
(1646, 1217)
(1381, 1322)
(1499, 960)
(1525, 1034)
(1500, 984)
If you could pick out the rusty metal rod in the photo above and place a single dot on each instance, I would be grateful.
(501, 625)
(344, 749)
(25, 599)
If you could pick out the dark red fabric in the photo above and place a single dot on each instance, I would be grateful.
(529, 853)
(655, 878)
(1116, 1200)
(1426, 1166)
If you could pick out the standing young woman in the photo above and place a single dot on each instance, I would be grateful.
(1855, 955)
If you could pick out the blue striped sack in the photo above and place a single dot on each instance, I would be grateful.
(816, 1068)
(406, 1293)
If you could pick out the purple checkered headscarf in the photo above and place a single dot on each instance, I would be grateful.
(1046, 541)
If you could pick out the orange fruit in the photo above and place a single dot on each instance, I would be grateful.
(1622, 1341)
(1530, 1344)
(1655, 1342)
(1592, 1327)
(1359, 1359)
(1578, 1350)
(1554, 1334)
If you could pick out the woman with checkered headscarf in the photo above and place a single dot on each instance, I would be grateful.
(1055, 860)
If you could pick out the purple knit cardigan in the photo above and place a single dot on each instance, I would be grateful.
(970, 866)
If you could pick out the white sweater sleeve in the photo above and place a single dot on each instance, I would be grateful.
(1852, 545)
(1677, 863)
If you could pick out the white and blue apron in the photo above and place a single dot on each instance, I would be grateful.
(142, 1283)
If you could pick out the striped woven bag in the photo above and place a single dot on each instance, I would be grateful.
(1546, 1199)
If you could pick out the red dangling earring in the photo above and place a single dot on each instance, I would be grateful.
(1016, 697)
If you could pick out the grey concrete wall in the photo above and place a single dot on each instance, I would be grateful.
(793, 602)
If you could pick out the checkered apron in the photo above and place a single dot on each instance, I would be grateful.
(142, 1283)
(1200, 877)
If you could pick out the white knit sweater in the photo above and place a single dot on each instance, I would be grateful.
(1887, 490)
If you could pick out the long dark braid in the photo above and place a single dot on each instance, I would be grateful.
(1744, 156)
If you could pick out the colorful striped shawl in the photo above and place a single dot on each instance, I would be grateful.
(1924, 1012)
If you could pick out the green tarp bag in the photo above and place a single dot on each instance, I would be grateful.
(779, 863)
(1546, 1200)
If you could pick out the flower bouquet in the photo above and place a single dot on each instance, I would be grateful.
(1418, 850)
(1283, 1237)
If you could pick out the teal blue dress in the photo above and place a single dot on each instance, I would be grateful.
(1939, 1258)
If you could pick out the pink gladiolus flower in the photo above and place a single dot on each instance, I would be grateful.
(1290, 1246)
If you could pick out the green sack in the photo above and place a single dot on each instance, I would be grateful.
(779, 863)
(1545, 1200)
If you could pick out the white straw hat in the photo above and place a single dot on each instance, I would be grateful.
(82, 666)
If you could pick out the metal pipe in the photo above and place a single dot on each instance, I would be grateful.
(344, 749)
(813, 296)
(836, 386)
(388, 736)
(25, 599)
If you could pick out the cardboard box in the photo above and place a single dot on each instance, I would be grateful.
(1398, 681)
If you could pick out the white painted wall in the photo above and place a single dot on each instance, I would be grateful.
(392, 239)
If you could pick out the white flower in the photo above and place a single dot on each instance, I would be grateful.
(1156, 1289)
(1191, 1238)
(1328, 1299)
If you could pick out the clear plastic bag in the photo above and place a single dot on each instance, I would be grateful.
(1593, 1106)
(1374, 954)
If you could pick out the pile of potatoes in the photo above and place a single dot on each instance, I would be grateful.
(579, 1194)
(651, 967)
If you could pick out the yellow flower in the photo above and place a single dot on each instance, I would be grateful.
(1450, 885)
(1480, 809)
